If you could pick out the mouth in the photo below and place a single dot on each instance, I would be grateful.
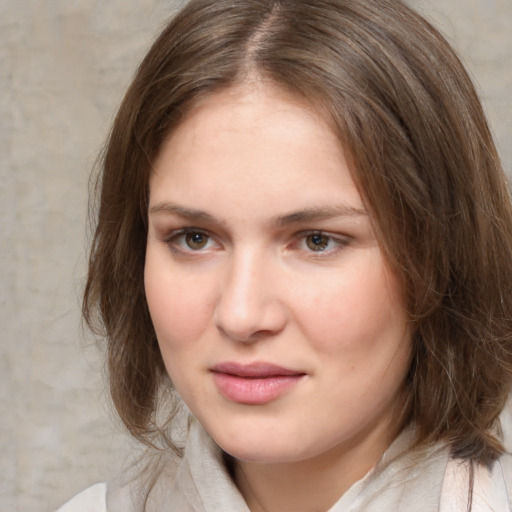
(254, 384)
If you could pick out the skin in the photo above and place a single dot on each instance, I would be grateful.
(279, 265)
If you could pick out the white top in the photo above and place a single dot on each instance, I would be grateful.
(93, 499)
(199, 482)
(487, 497)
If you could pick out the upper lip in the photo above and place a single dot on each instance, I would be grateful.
(254, 370)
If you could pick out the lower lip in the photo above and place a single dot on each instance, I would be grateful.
(254, 391)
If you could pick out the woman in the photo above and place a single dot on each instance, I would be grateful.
(304, 232)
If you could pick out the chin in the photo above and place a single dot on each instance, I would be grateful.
(272, 448)
(261, 455)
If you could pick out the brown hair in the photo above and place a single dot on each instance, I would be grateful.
(425, 162)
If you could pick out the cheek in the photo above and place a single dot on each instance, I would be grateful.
(358, 312)
(179, 306)
(180, 315)
(358, 329)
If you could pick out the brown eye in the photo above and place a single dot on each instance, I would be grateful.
(317, 242)
(196, 241)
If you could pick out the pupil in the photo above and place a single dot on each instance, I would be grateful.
(196, 240)
(318, 242)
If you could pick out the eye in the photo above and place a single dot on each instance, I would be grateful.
(317, 242)
(320, 242)
(196, 241)
(190, 240)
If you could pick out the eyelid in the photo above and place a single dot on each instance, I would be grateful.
(183, 231)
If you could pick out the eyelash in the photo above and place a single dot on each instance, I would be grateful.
(176, 241)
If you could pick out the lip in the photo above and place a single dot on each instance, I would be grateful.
(254, 384)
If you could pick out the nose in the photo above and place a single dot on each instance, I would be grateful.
(249, 307)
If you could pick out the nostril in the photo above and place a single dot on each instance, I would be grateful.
(250, 325)
(248, 306)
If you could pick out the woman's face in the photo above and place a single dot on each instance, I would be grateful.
(279, 322)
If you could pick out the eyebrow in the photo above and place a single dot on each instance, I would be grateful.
(319, 213)
(296, 217)
(182, 211)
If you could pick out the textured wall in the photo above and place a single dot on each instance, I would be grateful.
(63, 67)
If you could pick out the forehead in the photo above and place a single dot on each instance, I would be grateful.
(256, 139)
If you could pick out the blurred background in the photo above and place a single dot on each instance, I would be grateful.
(64, 65)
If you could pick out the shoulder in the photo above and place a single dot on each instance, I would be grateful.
(492, 487)
(504, 464)
(92, 499)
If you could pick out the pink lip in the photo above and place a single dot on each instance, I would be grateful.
(254, 384)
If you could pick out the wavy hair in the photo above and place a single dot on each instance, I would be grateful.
(407, 113)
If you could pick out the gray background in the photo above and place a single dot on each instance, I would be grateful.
(64, 65)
